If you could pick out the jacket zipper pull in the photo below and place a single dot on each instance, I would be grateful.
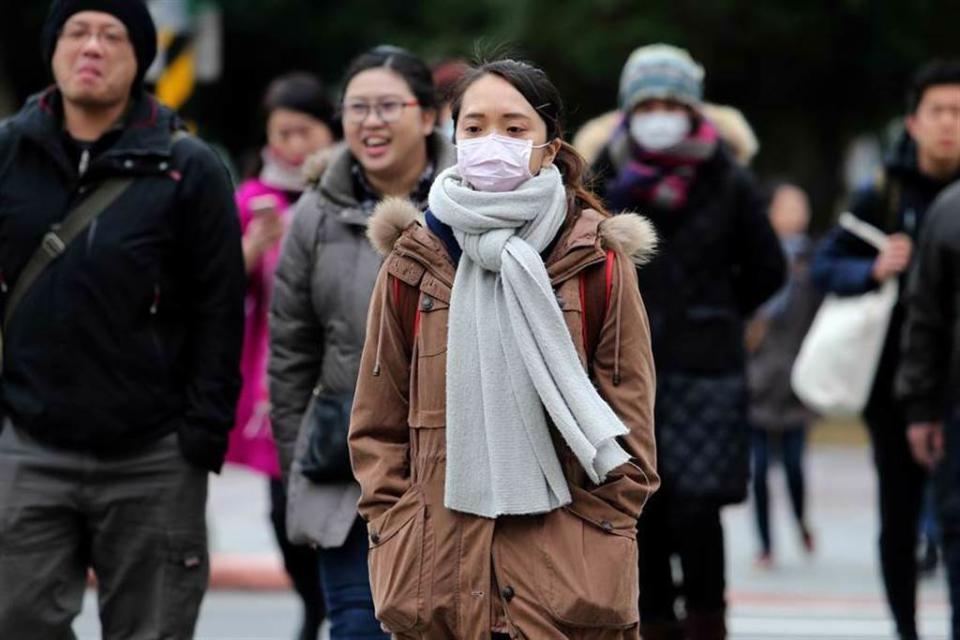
(3, 282)
(156, 300)
(84, 161)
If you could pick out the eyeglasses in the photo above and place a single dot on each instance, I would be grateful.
(387, 110)
(80, 34)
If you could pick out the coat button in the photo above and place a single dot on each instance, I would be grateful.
(607, 526)
(374, 537)
(507, 593)
(128, 164)
(164, 166)
(427, 303)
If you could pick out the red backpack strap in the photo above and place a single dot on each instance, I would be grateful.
(596, 285)
(407, 300)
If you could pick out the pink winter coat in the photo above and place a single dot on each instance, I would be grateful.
(251, 441)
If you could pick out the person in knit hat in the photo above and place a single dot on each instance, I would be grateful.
(661, 72)
(122, 293)
(133, 14)
(720, 260)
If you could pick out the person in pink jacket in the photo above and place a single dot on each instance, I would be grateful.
(300, 123)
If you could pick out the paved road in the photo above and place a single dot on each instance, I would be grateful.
(834, 594)
(837, 592)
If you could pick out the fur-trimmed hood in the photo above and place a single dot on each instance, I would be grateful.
(731, 124)
(628, 233)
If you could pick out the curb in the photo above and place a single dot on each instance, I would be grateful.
(248, 572)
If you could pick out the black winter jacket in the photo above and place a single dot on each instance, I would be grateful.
(930, 367)
(717, 261)
(135, 331)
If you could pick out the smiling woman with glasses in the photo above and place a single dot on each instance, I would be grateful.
(321, 293)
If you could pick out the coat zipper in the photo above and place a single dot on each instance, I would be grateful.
(84, 162)
(154, 334)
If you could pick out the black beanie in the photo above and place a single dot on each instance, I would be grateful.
(132, 13)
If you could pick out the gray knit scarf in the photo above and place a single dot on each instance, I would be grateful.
(510, 355)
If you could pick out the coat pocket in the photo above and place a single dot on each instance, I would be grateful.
(429, 369)
(186, 574)
(589, 568)
(397, 565)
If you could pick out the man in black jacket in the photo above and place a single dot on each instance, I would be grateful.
(929, 372)
(120, 359)
(925, 160)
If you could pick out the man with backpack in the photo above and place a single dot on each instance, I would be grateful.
(121, 282)
(924, 161)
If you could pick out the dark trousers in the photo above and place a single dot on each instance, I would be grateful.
(137, 520)
(792, 442)
(901, 484)
(302, 564)
(946, 482)
(671, 525)
(346, 588)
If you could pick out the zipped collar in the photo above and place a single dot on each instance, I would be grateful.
(144, 134)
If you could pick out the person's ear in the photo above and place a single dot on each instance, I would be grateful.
(911, 125)
(550, 152)
(428, 121)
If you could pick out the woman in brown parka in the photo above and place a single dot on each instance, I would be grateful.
(502, 430)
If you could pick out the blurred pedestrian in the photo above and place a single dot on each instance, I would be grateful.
(929, 370)
(122, 287)
(299, 122)
(774, 335)
(924, 161)
(322, 290)
(478, 436)
(720, 260)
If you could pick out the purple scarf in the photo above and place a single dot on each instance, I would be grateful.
(660, 179)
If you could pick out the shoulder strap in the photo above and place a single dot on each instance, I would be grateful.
(596, 284)
(863, 230)
(56, 240)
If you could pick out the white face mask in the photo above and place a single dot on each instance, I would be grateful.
(659, 130)
(495, 162)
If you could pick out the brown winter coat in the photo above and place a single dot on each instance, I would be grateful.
(437, 573)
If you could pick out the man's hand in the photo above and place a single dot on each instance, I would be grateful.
(926, 443)
(894, 258)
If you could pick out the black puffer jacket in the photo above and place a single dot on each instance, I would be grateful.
(717, 261)
(135, 331)
(930, 369)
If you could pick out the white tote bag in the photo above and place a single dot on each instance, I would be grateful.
(835, 369)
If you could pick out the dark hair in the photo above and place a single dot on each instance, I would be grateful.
(301, 92)
(935, 72)
(412, 69)
(534, 85)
